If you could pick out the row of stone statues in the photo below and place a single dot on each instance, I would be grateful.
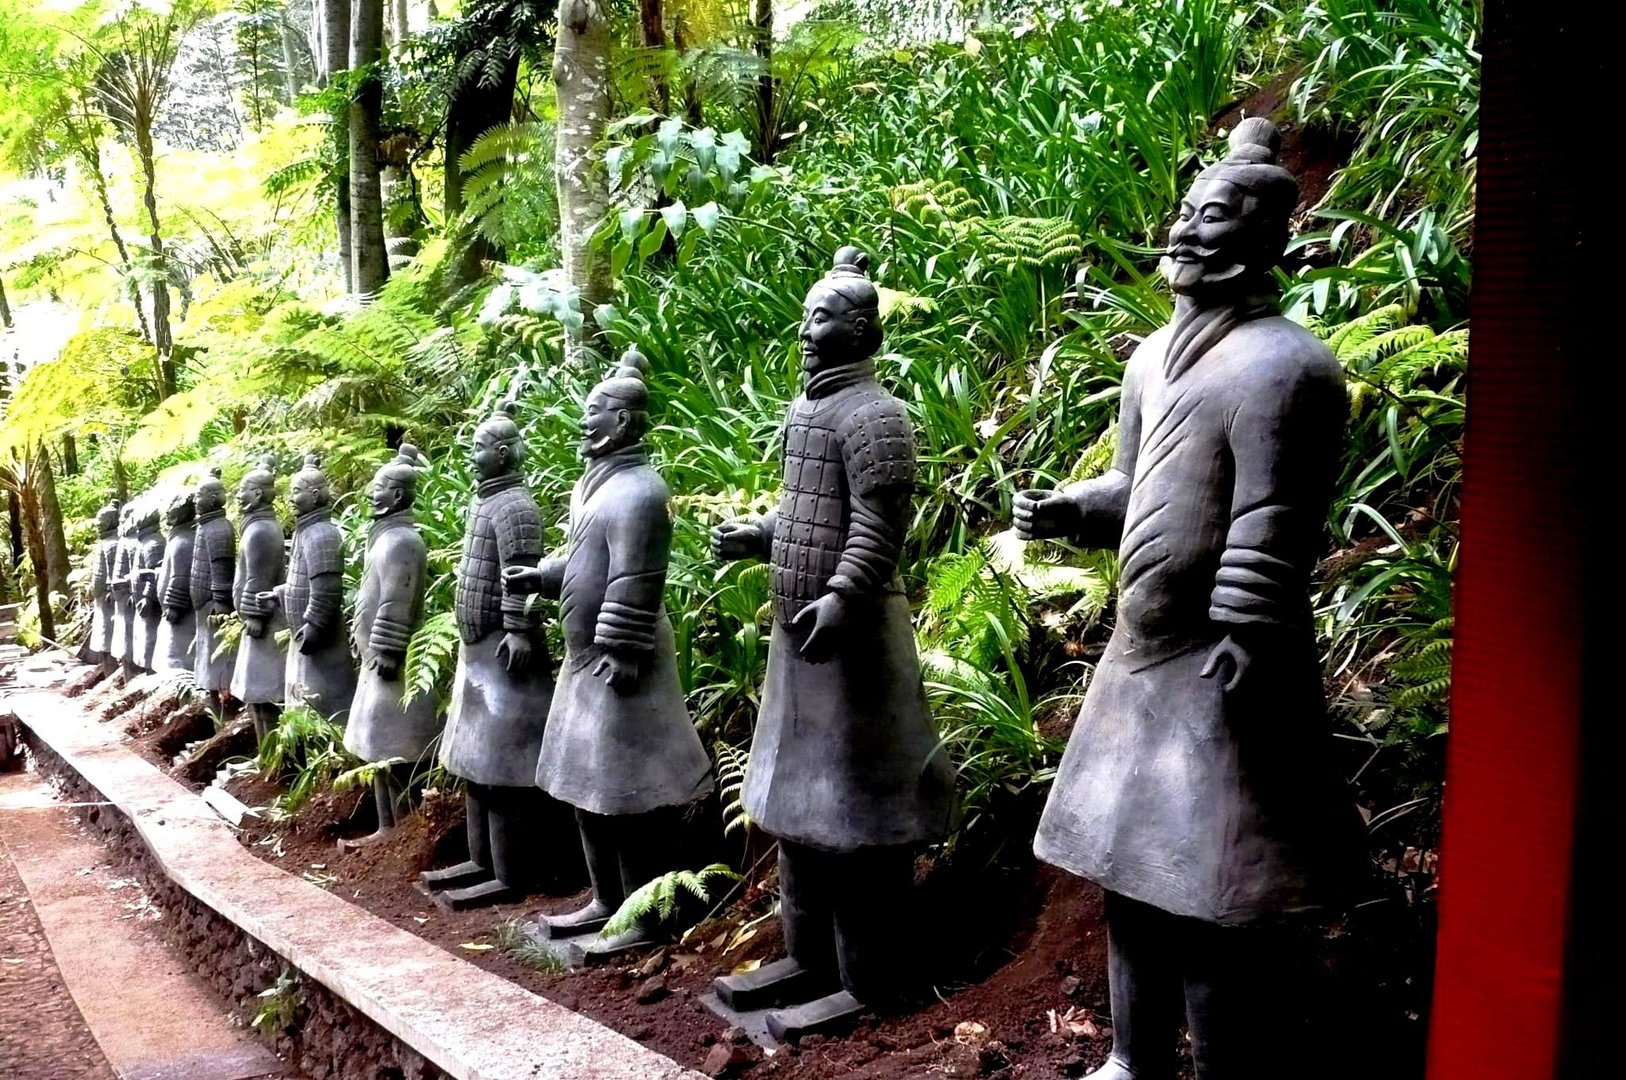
(1195, 788)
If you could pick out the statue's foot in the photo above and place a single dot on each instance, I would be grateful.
(817, 1017)
(588, 920)
(779, 983)
(347, 846)
(601, 947)
(1112, 1069)
(460, 876)
(484, 894)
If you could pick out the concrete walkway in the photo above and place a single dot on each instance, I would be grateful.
(152, 1018)
(475, 1025)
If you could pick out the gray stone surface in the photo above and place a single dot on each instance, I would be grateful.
(475, 1025)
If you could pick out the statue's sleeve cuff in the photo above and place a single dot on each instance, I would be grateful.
(389, 636)
(625, 628)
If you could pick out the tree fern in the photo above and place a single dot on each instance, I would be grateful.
(731, 765)
(660, 902)
(431, 655)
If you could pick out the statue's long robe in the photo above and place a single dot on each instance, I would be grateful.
(631, 750)
(1172, 791)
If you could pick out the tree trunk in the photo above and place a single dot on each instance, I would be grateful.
(90, 153)
(762, 32)
(652, 35)
(368, 254)
(694, 106)
(162, 344)
(290, 61)
(5, 306)
(474, 110)
(37, 558)
(70, 456)
(121, 480)
(14, 520)
(581, 77)
(42, 480)
(400, 28)
(335, 59)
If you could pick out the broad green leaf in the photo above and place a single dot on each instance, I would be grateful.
(676, 216)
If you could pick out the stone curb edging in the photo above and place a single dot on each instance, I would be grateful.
(469, 1022)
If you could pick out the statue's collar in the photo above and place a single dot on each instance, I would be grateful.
(211, 515)
(389, 521)
(311, 517)
(824, 383)
(259, 515)
(600, 469)
(486, 488)
(1199, 327)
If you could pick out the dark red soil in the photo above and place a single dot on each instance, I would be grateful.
(1044, 951)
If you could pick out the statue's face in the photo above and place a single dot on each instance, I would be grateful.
(306, 495)
(831, 334)
(492, 456)
(251, 497)
(386, 495)
(107, 520)
(210, 497)
(1211, 240)
(605, 425)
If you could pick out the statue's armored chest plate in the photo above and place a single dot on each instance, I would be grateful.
(508, 513)
(813, 507)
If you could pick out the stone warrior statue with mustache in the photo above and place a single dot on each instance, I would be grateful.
(1195, 788)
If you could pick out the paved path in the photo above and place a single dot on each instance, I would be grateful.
(473, 1024)
(42, 1035)
(153, 1019)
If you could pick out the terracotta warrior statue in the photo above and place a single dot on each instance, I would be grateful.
(320, 673)
(503, 687)
(214, 557)
(1196, 787)
(389, 607)
(144, 594)
(104, 565)
(256, 678)
(122, 584)
(619, 746)
(845, 767)
(177, 632)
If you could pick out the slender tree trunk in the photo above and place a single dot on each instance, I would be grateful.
(42, 480)
(652, 35)
(581, 77)
(767, 133)
(474, 110)
(70, 456)
(400, 27)
(336, 60)
(5, 306)
(694, 106)
(121, 479)
(37, 557)
(368, 254)
(290, 61)
(14, 520)
(91, 155)
(162, 344)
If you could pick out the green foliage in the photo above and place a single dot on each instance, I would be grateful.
(511, 937)
(305, 753)
(662, 901)
(431, 655)
(280, 1005)
(731, 765)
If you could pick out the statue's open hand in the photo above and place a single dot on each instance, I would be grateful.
(522, 580)
(173, 614)
(619, 671)
(736, 540)
(1045, 515)
(822, 619)
(148, 607)
(1229, 660)
(514, 652)
(388, 665)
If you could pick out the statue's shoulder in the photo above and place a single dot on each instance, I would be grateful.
(636, 491)
(1277, 350)
(869, 405)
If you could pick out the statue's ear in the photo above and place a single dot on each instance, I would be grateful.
(860, 324)
(623, 420)
(505, 453)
